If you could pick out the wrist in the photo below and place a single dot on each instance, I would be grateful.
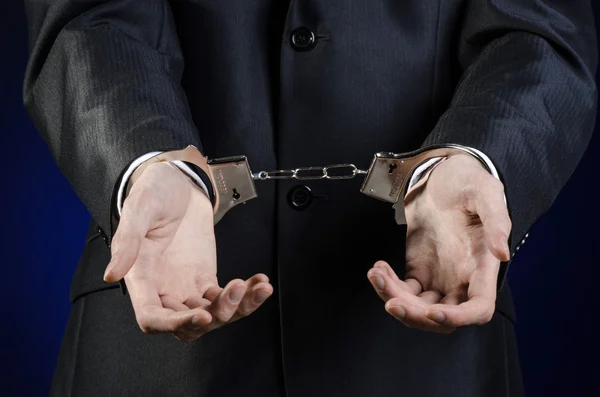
(184, 182)
(199, 199)
(230, 179)
(469, 162)
(194, 174)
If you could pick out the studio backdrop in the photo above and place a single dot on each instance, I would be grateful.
(555, 277)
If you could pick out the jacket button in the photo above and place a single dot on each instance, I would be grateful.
(300, 197)
(104, 237)
(303, 39)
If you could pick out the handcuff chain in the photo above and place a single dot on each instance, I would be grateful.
(311, 173)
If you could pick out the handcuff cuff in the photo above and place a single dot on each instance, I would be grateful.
(387, 178)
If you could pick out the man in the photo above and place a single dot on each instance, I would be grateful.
(297, 84)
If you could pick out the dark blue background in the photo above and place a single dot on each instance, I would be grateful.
(554, 277)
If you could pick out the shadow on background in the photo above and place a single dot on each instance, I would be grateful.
(554, 277)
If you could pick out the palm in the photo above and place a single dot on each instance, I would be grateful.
(456, 237)
(451, 233)
(180, 245)
(165, 247)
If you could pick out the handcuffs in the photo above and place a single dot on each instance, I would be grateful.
(387, 178)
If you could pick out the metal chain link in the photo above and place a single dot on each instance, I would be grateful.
(310, 173)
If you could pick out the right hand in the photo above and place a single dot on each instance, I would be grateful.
(165, 249)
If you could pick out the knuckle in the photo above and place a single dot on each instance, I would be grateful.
(487, 316)
(122, 239)
(204, 281)
(508, 223)
(171, 327)
(117, 242)
(495, 185)
(221, 316)
(246, 311)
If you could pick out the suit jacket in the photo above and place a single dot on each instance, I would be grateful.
(289, 84)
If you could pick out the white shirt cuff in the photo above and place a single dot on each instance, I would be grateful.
(423, 168)
(139, 161)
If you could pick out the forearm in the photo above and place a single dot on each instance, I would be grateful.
(102, 86)
(527, 98)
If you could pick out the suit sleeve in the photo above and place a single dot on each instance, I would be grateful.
(103, 87)
(526, 98)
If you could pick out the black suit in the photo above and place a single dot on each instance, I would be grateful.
(106, 83)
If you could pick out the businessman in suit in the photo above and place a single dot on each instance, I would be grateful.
(311, 289)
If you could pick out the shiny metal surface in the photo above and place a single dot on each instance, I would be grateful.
(389, 174)
(230, 176)
(309, 173)
(386, 179)
(233, 184)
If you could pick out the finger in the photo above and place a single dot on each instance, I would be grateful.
(169, 302)
(410, 310)
(430, 297)
(207, 286)
(388, 269)
(259, 283)
(413, 285)
(476, 311)
(388, 287)
(383, 284)
(226, 304)
(491, 208)
(254, 280)
(157, 319)
(403, 304)
(188, 331)
(257, 278)
(255, 296)
(150, 314)
(194, 302)
(454, 298)
(212, 293)
(125, 245)
(479, 308)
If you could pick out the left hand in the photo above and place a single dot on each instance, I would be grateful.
(458, 226)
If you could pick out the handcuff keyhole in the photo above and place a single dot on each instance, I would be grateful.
(236, 195)
(393, 166)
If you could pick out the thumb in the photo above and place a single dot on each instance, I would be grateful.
(490, 206)
(133, 227)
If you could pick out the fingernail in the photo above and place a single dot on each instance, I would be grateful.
(379, 282)
(398, 311)
(198, 320)
(236, 294)
(260, 296)
(437, 316)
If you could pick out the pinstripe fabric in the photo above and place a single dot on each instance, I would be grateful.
(106, 83)
(102, 85)
(526, 97)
